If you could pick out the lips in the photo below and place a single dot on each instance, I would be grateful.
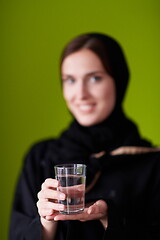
(86, 108)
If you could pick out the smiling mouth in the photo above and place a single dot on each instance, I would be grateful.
(86, 107)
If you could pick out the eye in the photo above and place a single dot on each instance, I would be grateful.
(95, 78)
(69, 80)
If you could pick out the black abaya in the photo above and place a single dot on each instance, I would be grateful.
(130, 184)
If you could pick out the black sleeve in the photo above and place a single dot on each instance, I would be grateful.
(77, 230)
(148, 228)
(25, 221)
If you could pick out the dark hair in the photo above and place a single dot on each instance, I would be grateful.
(110, 54)
(88, 42)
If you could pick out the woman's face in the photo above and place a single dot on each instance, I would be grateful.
(89, 91)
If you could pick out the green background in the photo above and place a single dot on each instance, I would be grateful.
(33, 33)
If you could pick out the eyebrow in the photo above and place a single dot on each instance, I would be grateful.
(88, 74)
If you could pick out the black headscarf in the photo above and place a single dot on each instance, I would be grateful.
(79, 143)
(116, 64)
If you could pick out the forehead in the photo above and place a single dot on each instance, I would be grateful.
(82, 61)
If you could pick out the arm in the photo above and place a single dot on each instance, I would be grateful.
(25, 220)
(25, 223)
(144, 222)
(48, 209)
(48, 229)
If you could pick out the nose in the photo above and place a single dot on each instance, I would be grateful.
(82, 91)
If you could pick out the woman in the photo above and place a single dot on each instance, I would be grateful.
(123, 180)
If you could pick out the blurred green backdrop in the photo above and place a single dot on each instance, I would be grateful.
(33, 33)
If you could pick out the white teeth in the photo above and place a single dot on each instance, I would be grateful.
(85, 107)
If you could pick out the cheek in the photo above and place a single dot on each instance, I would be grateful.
(65, 93)
(108, 95)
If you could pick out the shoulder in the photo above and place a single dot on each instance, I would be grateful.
(42, 146)
(142, 163)
(41, 152)
(152, 157)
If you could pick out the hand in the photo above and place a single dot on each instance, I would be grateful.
(48, 206)
(134, 150)
(97, 211)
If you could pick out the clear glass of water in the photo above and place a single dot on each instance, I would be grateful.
(72, 178)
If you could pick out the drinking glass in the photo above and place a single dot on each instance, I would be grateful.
(72, 178)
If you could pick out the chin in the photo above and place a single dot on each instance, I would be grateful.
(87, 123)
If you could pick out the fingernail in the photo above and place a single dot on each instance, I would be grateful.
(50, 211)
(56, 184)
(89, 211)
(60, 207)
(62, 196)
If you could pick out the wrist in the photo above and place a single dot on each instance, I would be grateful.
(104, 222)
(48, 228)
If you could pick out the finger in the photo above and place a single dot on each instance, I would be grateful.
(76, 191)
(97, 207)
(50, 218)
(63, 217)
(81, 217)
(98, 211)
(102, 205)
(50, 183)
(51, 194)
(45, 212)
(92, 209)
(50, 205)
